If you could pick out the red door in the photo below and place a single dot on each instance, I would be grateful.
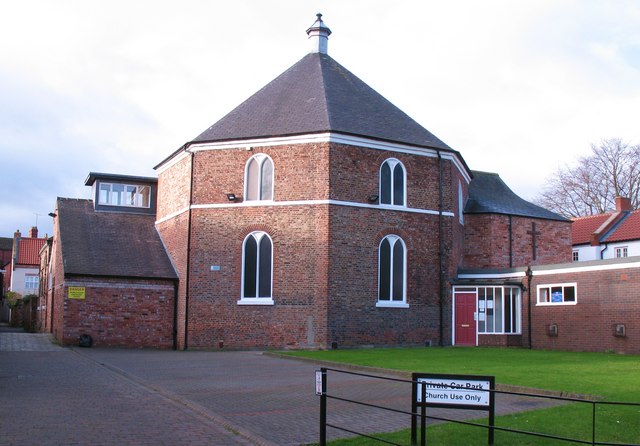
(465, 324)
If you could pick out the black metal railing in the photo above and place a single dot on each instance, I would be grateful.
(413, 415)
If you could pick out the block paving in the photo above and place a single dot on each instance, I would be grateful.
(75, 396)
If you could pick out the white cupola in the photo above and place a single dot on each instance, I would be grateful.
(319, 36)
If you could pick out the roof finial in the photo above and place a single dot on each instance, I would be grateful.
(319, 35)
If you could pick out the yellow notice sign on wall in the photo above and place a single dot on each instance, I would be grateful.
(76, 292)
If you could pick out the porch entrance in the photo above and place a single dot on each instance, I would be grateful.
(464, 319)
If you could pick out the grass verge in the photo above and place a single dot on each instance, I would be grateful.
(611, 377)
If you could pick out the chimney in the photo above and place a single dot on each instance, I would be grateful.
(17, 234)
(319, 36)
(33, 232)
(623, 204)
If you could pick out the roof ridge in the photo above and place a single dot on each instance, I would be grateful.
(586, 217)
(623, 216)
(324, 88)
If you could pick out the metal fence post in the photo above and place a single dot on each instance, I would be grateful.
(323, 408)
(423, 415)
(593, 423)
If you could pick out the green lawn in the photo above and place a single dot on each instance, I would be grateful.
(611, 377)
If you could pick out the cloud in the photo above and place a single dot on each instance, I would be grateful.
(518, 88)
(51, 141)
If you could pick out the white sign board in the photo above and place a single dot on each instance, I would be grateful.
(454, 391)
(318, 382)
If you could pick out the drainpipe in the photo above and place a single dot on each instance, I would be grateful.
(529, 278)
(510, 241)
(440, 252)
(174, 330)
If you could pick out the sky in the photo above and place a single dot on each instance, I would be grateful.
(520, 88)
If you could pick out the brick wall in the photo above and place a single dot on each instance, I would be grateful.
(605, 298)
(487, 244)
(55, 298)
(325, 256)
(300, 261)
(119, 312)
(354, 318)
(174, 235)
(174, 188)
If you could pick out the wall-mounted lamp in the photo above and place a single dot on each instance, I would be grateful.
(231, 197)
(52, 215)
(373, 198)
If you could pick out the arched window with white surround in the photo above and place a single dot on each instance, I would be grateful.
(258, 178)
(392, 272)
(392, 183)
(257, 269)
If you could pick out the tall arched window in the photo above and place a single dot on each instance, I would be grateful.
(392, 271)
(259, 178)
(257, 255)
(392, 183)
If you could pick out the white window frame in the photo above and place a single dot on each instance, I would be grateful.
(575, 255)
(393, 162)
(257, 235)
(503, 296)
(557, 285)
(393, 303)
(621, 252)
(31, 282)
(260, 158)
(137, 195)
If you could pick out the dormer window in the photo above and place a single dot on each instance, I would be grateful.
(259, 178)
(117, 194)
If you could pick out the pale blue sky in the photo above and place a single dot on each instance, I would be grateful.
(518, 87)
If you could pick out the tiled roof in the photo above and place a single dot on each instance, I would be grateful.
(488, 194)
(6, 244)
(628, 229)
(583, 227)
(29, 249)
(624, 227)
(315, 95)
(110, 243)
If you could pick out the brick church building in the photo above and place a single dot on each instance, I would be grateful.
(316, 214)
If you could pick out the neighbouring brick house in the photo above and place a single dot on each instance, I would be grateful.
(21, 274)
(315, 215)
(107, 273)
(6, 248)
(607, 236)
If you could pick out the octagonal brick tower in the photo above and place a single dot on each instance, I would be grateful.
(314, 214)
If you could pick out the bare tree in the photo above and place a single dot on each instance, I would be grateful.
(592, 185)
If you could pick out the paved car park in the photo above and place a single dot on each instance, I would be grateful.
(96, 396)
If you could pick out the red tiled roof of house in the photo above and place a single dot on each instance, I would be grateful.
(629, 229)
(583, 227)
(28, 250)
